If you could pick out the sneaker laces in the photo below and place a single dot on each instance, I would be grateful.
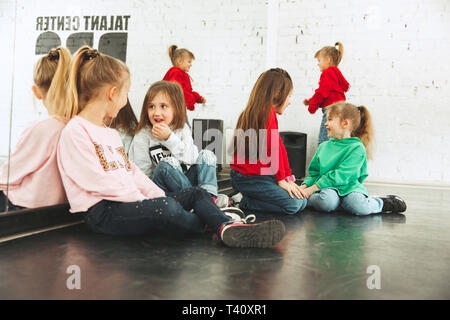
(249, 219)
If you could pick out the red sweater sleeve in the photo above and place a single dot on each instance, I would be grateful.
(197, 96)
(321, 93)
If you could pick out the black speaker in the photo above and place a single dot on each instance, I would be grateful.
(295, 145)
(208, 134)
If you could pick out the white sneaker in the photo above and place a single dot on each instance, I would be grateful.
(234, 200)
(235, 214)
(222, 200)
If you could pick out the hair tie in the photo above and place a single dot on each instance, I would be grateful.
(53, 54)
(91, 54)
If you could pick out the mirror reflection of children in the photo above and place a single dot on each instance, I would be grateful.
(163, 147)
(339, 167)
(34, 179)
(182, 62)
(113, 195)
(332, 84)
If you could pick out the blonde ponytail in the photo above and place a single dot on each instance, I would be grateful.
(90, 71)
(365, 130)
(57, 93)
(340, 52)
(171, 51)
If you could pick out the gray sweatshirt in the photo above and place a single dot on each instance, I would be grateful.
(146, 151)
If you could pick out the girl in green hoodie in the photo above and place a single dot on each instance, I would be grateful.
(339, 167)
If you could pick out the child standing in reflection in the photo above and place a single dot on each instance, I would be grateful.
(32, 171)
(332, 84)
(182, 62)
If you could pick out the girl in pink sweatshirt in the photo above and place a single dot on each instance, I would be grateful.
(30, 178)
(114, 195)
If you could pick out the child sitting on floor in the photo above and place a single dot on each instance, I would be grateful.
(163, 147)
(339, 167)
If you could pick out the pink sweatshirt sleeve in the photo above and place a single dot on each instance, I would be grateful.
(91, 173)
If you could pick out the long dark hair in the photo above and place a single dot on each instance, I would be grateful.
(270, 90)
(126, 120)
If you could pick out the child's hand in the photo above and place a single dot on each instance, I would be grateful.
(300, 189)
(203, 100)
(310, 190)
(291, 187)
(161, 131)
(306, 102)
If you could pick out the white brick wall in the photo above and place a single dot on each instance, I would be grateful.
(395, 59)
(396, 62)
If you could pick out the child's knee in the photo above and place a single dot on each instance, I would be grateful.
(326, 200)
(296, 205)
(169, 161)
(207, 157)
(356, 203)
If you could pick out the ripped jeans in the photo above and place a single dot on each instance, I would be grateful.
(169, 175)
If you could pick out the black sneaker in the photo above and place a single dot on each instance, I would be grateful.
(393, 203)
(260, 235)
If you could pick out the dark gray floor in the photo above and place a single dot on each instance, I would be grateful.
(323, 256)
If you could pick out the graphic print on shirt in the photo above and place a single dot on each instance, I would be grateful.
(158, 152)
(121, 150)
(112, 165)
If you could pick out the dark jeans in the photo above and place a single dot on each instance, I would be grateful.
(167, 213)
(262, 193)
(4, 200)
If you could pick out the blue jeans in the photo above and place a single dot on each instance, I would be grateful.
(328, 200)
(167, 213)
(4, 200)
(169, 175)
(262, 193)
(323, 135)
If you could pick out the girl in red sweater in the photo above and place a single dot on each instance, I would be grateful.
(182, 62)
(332, 84)
(260, 168)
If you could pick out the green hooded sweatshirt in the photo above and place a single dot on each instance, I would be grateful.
(340, 165)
